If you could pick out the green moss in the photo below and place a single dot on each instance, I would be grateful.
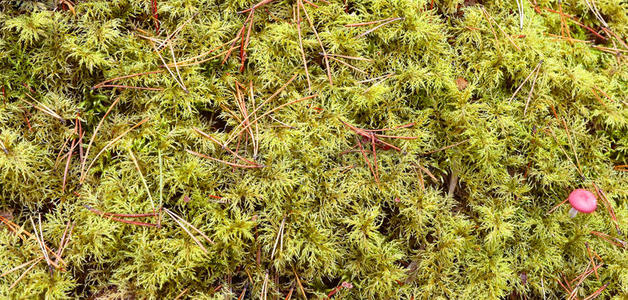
(467, 221)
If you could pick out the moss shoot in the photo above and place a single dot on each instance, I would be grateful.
(355, 149)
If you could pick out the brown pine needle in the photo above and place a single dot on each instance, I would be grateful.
(396, 137)
(260, 106)
(209, 137)
(525, 80)
(568, 39)
(309, 20)
(592, 261)
(301, 289)
(18, 230)
(176, 67)
(173, 216)
(374, 157)
(111, 217)
(130, 87)
(347, 57)
(447, 147)
(596, 293)
(348, 65)
(289, 296)
(613, 240)
(500, 29)
(137, 167)
(424, 169)
(274, 110)
(239, 36)
(532, 88)
(610, 32)
(573, 19)
(245, 42)
(556, 206)
(181, 294)
(101, 84)
(63, 241)
(43, 108)
(260, 4)
(256, 146)
(89, 146)
(421, 180)
(368, 162)
(368, 23)
(109, 145)
(24, 274)
(307, 73)
(243, 111)
(378, 26)
(223, 161)
(67, 164)
(310, 3)
(21, 266)
(608, 205)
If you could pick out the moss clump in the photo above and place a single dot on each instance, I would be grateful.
(459, 212)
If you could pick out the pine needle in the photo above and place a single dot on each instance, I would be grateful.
(260, 106)
(307, 73)
(43, 108)
(525, 80)
(109, 145)
(91, 141)
(274, 110)
(137, 167)
(179, 221)
(22, 266)
(24, 274)
(309, 20)
(103, 83)
(532, 88)
(378, 26)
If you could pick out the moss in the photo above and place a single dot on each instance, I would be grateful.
(460, 212)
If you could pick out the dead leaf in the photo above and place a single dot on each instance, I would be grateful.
(461, 83)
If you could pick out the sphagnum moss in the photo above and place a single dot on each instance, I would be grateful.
(468, 209)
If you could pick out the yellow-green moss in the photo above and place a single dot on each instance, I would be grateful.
(312, 211)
